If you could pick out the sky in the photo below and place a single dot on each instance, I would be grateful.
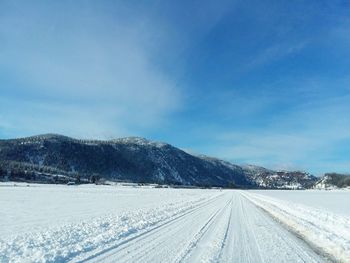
(251, 82)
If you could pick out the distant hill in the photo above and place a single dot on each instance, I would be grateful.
(56, 158)
(333, 180)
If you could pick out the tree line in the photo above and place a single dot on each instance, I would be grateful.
(28, 172)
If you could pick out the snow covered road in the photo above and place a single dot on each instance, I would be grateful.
(125, 224)
(226, 229)
(326, 231)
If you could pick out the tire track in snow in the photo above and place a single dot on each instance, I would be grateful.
(209, 232)
(270, 241)
(326, 256)
(228, 228)
(168, 244)
(253, 236)
(118, 248)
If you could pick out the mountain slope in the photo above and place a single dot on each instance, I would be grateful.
(134, 159)
(333, 180)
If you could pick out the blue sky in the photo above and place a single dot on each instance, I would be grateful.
(260, 82)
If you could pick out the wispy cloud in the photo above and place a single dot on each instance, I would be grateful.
(101, 67)
(274, 53)
(312, 135)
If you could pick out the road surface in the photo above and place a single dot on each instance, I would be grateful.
(227, 228)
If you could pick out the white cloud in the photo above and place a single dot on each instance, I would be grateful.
(274, 53)
(82, 69)
(305, 138)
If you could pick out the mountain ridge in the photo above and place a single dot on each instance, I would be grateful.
(136, 159)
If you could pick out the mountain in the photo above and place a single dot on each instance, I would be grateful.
(265, 178)
(57, 158)
(333, 181)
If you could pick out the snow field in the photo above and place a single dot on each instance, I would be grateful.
(40, 207)
(51, 223)
(335, 201)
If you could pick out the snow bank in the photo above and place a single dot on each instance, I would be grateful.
(57, 223)
(326, 231)
(60, 244)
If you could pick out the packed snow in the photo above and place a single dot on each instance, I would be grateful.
(56, 223)
(313, 216)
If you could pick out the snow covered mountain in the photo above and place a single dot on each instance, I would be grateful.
(134, 159)
(333, 181)
(282, 179)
